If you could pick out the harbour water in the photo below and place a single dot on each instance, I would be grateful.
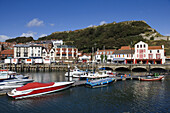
(122, 96)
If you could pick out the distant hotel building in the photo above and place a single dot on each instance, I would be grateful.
(27, 51)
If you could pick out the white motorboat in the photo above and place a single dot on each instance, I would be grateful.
(6, 74)
(10, 86)
(16, 81)
(75, 72)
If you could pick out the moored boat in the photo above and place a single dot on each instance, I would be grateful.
(14, 82)
(6, 75)
(36, 88)
(99, 82)
(150, 78)
(76, 72)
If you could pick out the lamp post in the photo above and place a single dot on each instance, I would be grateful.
(131, 60)
(88, 67)
(68, 72)
(149, 68)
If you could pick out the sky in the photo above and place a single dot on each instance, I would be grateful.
(38, 18)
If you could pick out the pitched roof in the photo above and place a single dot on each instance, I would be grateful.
(123, 52)
(154, 47)
(9, 51)
(125, 48)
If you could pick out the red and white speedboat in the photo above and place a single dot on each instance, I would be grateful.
(36, 88)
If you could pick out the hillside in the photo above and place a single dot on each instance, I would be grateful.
(112, 35)
(20, 39)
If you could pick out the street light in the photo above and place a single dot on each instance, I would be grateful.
(88, 67)
(131, 60)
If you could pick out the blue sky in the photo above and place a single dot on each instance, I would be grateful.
(42, 17)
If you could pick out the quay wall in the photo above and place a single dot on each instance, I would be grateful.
(64, 67)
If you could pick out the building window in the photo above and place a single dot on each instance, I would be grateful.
(141, 46)
(150, 56)
(137, 46)
(158, 56)
(25, 54)
(18, 54)
(157, 51)
(150, 51)
(58, 54)
(63, 54)
(144, 46)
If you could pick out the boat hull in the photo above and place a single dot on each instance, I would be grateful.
(100, 83)
(41, 91)
(152, 79)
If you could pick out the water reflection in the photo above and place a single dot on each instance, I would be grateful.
(45, 77)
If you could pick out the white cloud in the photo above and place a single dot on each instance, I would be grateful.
(167, 34)
(90, 25)
(43, 35)
(52, 24)
(28, 34)
(35, 22)
(102, 22)
(3, 38)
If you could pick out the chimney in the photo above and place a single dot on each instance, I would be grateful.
(162, 46)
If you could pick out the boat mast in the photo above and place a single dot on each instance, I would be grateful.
(104, 57)
(92, 59)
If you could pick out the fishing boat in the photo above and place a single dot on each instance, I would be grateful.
(151, 78)
(94, 82)
(36, 88)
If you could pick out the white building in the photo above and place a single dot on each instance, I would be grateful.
(27, 51)
(57, 43)
(145, 54)
(140, 54)
(108, 53)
